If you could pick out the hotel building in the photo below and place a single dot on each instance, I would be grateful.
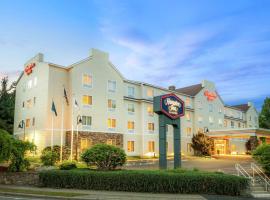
(118, 111)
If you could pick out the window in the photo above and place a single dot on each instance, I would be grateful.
(86, 143)
(35, 81)
(29, 84)
(111, 123)
(131, 91)
(151, 127)
(199, 104)
(29, 103)
(34, 100)
(239, 125)
(23, 104)
(86, 120)
(220, 110)
(111, 86)
(200, 119)
(210, 107)
(225, 123)
(87, 80)
(111, 104)
(150, 92)
(232, 124)
(211, 120)
(151, 146)
(27, 124)
(111, 142)
(131, 125)
(131, 108)
(33, 121)
(188, 116)
(130, 146)
(188, 131)
(220, 121)
(87, 100)
(150, 110)
(187, 102)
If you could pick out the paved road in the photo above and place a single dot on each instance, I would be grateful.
(225, 164)
(17, 198)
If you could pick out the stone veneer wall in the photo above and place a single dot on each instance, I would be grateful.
(96, 137)
(19, 178)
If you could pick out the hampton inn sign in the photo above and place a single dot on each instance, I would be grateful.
(169, 108)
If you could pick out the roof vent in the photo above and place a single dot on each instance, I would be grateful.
(172, 87)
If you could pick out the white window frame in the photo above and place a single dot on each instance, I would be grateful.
(87, 85)
(108, 86)
(131, 88)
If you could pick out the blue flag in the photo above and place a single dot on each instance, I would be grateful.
(53, 109)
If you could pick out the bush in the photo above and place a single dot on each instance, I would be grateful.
(68, 166)
(104, 157)
(154, 181)
(49, 158)
(262, 156)
(5, 145)
(57, 149)
(202, 144)
(18, 160)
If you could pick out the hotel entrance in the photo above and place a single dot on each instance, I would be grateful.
(220, 147)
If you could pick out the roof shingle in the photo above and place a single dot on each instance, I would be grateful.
(190, 90)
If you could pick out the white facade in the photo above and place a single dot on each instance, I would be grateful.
(111, 104)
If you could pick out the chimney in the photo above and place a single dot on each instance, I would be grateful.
(250, 104)
(172, 87)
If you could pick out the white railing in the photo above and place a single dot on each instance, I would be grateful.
(257, 170)
(241, 171)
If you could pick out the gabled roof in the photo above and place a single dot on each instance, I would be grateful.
(190, 90)
(242, 107)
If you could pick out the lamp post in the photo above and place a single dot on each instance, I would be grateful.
(79, 121)
(22, 125)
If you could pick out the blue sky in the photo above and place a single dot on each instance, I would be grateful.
(158, 42)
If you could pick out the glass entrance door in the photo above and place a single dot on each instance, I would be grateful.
(220, 147)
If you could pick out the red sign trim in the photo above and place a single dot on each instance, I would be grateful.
(168, 114)
(29, 68)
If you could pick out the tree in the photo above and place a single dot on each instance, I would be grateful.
(202, 144)
(252, 144)
(262, 156)
(264, 118)
(7, 104)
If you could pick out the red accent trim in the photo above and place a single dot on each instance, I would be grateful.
(211, 96)
(29, 68)
(168, 114)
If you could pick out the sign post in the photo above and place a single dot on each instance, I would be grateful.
(170, 108)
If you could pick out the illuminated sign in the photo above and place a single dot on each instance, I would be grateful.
(172, 106)
(29, 68)
(211, 96)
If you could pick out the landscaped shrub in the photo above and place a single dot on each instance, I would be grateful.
(57, 149)
(67, 165)
(104, 157)
(155, 181)
(5, 145)
(49, 158)
(18, 160)
(202, 144)
(262, 156)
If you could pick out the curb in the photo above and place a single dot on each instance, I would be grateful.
(42, 196)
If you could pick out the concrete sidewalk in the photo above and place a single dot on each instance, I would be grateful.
(110, 195)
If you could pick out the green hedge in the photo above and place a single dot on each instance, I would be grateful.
(155, 181)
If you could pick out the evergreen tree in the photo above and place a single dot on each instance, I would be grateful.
(264, 118)
(7, 104)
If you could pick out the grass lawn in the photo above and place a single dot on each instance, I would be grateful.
(40, 192)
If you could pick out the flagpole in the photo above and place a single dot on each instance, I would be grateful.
(62, 132)
(52, 134)
(71, 142)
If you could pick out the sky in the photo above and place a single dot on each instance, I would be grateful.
(170, 42)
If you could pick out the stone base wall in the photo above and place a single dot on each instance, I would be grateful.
(95, 137)
(19, 178)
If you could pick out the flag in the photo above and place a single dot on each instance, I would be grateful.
(65, 95)
(53, 109)
(76, 104)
